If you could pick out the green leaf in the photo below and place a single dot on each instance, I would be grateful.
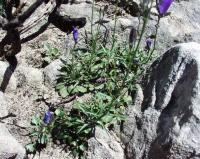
(55, 51)
(36, 120)
(87, 131)
(82, 128)
(99, 87)
(30, 148)
(82, 147)
(47, 47)
(107, 119)
(70, 88)
(81, 89)
(44, 139)
(63, 92)
(47, 59)
(35, 133)
(91, 87)
(127, 99)
(60, 85)
(59, 112)
(101, 124)
(74, 143)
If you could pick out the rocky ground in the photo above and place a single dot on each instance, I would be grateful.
(30, 82)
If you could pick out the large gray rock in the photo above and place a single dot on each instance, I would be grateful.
(104, 146)
(167, 125)
(9, 147)
(182, 25)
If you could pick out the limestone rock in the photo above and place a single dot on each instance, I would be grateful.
(134, 114)
(9, 147)
(181, 26)
(104, 146)
(169, 125)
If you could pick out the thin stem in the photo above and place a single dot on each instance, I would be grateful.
(145, 20)
(93, 39)
(73, 59)
(92, 18)
(115, 24)
(155, 39)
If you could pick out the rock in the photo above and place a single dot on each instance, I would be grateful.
(52, 71)
(182, 22)
(104, 146)
(130, 6)
(125, 22)
(134, 114)
(7, 80)
(3, 106)
(29, 76)
(78, 1)
(169, 125)
(9, 147)
(89, 1)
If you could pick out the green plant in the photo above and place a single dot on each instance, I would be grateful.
(108, 70)
(50, 54)
(1, 7)
(40, 135)
(75, 127)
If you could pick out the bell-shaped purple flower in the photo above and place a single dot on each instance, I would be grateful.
(163, 6)
(148, 43)
(47, 117)
(132, 36)
(75, 34)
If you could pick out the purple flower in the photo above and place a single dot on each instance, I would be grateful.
(163, 6)
(132, 36)
(47, 117)
(148, 44)
(75, 34)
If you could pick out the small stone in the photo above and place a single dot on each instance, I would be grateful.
(124, 22)
(51, 72)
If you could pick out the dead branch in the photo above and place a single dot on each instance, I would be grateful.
(17, 23)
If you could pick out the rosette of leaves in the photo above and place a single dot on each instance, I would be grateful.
(105, 70)
(51, 53)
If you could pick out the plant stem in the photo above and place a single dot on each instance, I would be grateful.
(145, 20)
(92, 18)
(155, 39)
(115, 24)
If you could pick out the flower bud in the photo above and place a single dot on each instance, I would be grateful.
(75, 34)
(132, 37)
(148, 44)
